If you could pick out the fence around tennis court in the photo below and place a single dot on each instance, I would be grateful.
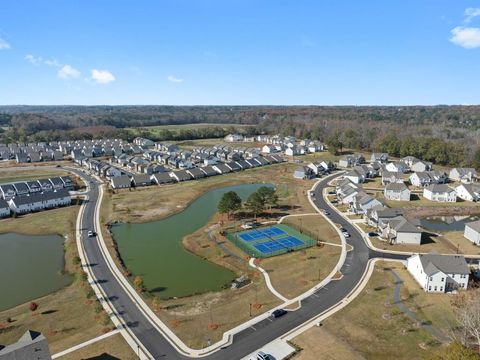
(249, 248)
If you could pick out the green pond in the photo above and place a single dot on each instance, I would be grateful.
(154, 250)
(30, 267)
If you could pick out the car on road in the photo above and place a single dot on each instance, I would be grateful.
(343, 230)
(91, 233)
(346, 234)
(279, 313)
(326, 213)
(372, 234)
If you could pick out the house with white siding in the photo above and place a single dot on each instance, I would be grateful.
(389, 177)
(468, 192)
(362, 202)
(379, 157)
(439, 273)
(120, 182)
(420, 166)
(355, 177)
(7, 191)
(39, 201)
(472, 232)
(4, 209)
(464, 175)
(401, 231)
(440, 193)
(397, 166)
(425, 178)
(397, 191)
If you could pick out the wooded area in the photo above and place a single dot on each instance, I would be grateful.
(446, 135)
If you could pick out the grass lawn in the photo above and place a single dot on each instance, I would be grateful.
(113, 347)
(65, 317)
(316, 225)
(373, 327)
(294, 273)
(375, 183)
(420, 201)
(8, 175)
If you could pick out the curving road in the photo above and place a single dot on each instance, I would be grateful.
(250, 339)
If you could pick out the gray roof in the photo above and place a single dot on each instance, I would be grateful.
(28, 338)
(439, 188)
(448, 264)
(475, 225)
(403, 225)
(396, 186)
(163, 178)
(121, 181)
(38, 197)
(209, 171)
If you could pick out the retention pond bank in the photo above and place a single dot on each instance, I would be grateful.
(30, 267)
(154, 250)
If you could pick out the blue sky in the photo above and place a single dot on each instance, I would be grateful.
(179, 52)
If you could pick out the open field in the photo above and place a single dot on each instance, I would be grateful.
(294, 273)
(8, 175)
(190, 144)
(113, 347)
(373, 327)
(65, 317)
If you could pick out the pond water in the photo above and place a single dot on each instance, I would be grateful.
(447, 223)
(30, 267)
(154, 250)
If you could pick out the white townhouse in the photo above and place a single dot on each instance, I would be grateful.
(440, 193)
(233, 137)
(4, 209)
(464, 175)
(439, 273)
(472, 232)
(397, 191)
(269, 149)
(39, 201)
(468, 192)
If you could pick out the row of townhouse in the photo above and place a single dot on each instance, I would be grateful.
(33, 202)
(23, 188)
(314, 169)
(195, 173)
(58, 150)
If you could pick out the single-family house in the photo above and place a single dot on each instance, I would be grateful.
(381, 158)
(121, 182)
(401, 231)
(396, 191)
(32, 345)
(379, 215)
(181, 175)
(439, 273)
(421, 166)
(425, 178)
(397, 166)
(468, 192)
(269, 149)
(351, 160)
(410, 160)
(355, 177)
(472, 232)
(464, 175)
(362, 202)
(440, 193)
(389, 177)
(4, 208)
(303, 172)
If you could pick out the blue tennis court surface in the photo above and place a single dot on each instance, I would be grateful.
(270, 241)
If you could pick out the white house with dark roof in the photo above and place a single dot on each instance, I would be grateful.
(468, 192)
(120, 182)
(440, 193)
(354, 176)
(401, 231)
(362, 202)
(472, 232)
(379, 157)
(464, 175)
(421, 166)
(4, 209)
(389, 177)
(397, 191)
(439, 273)
(397, 166)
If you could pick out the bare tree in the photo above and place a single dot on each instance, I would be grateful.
(468, 317)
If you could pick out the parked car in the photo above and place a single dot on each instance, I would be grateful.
(278, 313)
(327, 213)
(346, 234)
(262, 356)
(343, 230)
(372, 234)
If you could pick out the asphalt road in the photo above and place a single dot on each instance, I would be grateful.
(252, 338)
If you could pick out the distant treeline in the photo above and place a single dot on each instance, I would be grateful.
(447, 135)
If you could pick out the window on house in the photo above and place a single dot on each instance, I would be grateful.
(441, 288)
(435, 288)
(429, 288)
(431, 278)
(443, 279)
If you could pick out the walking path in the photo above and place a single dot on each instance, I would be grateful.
(86, 343)
(268, 282)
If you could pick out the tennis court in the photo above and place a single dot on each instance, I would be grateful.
(270, 241)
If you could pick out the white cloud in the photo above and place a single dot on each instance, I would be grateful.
(68, 72)
(174, 79)
(38, 60)
(102, 76)
(466, 37)
(471, 13)
(4, 45)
